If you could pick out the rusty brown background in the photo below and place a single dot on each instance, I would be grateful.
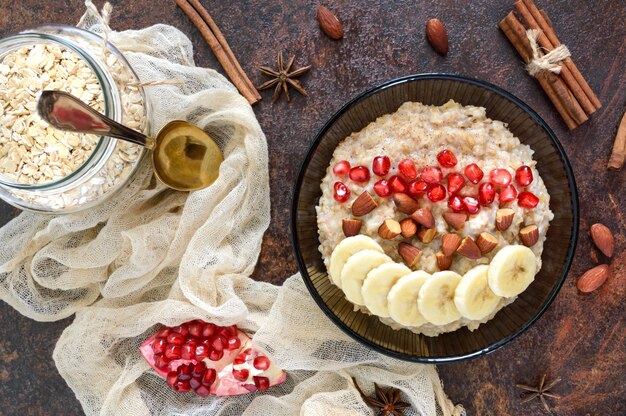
(580, 338)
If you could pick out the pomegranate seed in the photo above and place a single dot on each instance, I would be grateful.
(219, 343)
(164, 332)
(181, 329)
(233, 343)
(527, 200)
(182, 386)
(508, 194)
(171, 378)
(189, 351)
(202, 391)
(158, 345)
(436, 193)
(486, 193)
(176, 338)
(261, 383)
(161, 362)
(523, 175)
(195, 329)
(198, 370)
(247, 351)
(240, 359)
(381, 165)
(471, 204)
(195, 383)
(202, 351)
(229, 331)
(241, 375)
(341, 168)
(208, 330)
(456, 181)
(382, 188)
(342, 193)
(500, 177)
(183, 372)
(417, 188)
(173, 351)
(209, 376)
(360, 174)
(432, 174)
(261, 363)
(473, 173)
(397, 184)
(407, 169)
(456, 204)
(446, 159)
(215, 355)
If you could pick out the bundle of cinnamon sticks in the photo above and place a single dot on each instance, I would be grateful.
(569, 92)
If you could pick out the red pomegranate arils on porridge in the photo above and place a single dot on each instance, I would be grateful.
(436, 193)
(524, 175)
(341, 194)
(341, 168)
(360, 174)
(507, 194)
(431, 174)
(447, 159)
(382, 188)
(473, 173)
(456, 182)
(486, 193)
(417, 188)
(381, 165)
(407, 169)
(500, 177)
(527, 200)
(471, 204)
(397, 184)
(456, 204)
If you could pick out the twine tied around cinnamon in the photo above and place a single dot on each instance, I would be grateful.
(547, 62)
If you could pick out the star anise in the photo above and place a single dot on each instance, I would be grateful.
(387, 403)
(283, 78)
(542, 391)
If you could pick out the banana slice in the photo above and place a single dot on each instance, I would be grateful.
(402, 299)
(346, 248)
(436, 298)
(473, 297)
(377, 285)
(511, 270)
(355, 270)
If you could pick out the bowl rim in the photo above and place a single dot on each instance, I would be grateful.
(313, 147)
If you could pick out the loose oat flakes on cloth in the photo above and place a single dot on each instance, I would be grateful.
(152, 256)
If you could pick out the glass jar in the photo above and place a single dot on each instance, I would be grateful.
(48, 170)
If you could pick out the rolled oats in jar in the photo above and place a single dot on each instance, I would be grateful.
(48, 170)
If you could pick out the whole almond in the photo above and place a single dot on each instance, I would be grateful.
(424, 217)
(426, 235)
(603, 239)
(504, 218)
(443, 262)
(389, 229)
(529, 235)
(408, 228)
(455, 220)
(364, 204)
(409, 253)
(351, 227)
(593, 278)
(449, 243)
(437, 36)
(329, 23)
(486, 242)
(405, 203)
(469, 249)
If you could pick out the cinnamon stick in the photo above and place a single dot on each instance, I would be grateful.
(222, 51)
(618, 156)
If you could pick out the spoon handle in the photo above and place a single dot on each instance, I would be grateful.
(66, 112)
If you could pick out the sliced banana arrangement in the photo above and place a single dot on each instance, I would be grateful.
(370, 278)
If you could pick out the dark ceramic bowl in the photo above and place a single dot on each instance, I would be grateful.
(558, 251)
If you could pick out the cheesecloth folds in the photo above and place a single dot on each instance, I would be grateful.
(152, 256)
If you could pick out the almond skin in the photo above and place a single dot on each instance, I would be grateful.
(408, 228)
(529, 235)
(593, 278)
(410, 254)
(504, 218)
(449, 243)
(389, 229)
(405, 203)
(455, 220)
(364, 204)
(486, 242)
(469, 249)
(437, 36)
(329, 23)
(351, 227)
(424, 217)
(426, 235)
(443, 262)
(603, 239)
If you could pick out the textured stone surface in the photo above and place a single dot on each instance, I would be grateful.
(580, 338)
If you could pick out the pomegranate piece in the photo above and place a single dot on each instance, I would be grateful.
(407, 169)
(456, 182)
(175, 338)
(397, 184)
(447, 159)
(527, 200)
(500, 177)
(486, 193)
(471, 204)
(382, 188)
(341, 194)
(431, 174)
(197, 366)
(360, 174)
(417, 188)
(456, 204)
(341, 168)
(507, 194)
(381, 165)
(524, 175)
(473, 173)
(436, 193)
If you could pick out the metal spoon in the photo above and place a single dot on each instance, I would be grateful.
(184, 157)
